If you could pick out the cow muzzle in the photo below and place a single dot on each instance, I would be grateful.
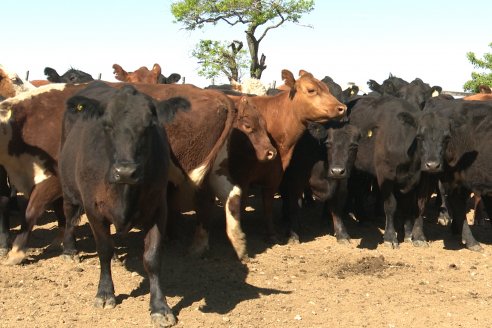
(125, 173)
(337, 172)
(432, 166)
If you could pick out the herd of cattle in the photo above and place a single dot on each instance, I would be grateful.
(136, 154)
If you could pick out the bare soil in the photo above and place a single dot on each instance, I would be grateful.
(317, 283)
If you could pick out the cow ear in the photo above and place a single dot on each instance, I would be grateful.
(167, 109)
(436, 91)
(156, 69)
(119, 73)
(52, 75)
(288, 79)
(407, 118)
(84, 106)
(173, 78)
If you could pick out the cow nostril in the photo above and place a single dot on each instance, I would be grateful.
(337, 171)
(271, 154)
(342, 109)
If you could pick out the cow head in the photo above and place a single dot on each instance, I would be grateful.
(418, 93)
(144, 75)
(131, 121)
(253, 125)
(433, 134)
(11, 84)
(313, 98)
(71, 76)
(342, 142)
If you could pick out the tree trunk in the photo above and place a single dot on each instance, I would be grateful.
(257, 66)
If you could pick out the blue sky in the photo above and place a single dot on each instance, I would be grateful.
(351, 41)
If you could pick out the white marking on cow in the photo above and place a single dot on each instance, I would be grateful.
(31, 93)
(435, 93)
(25, 170)
(197, 175)
(233, 225)
(219, 182)
(5, 115)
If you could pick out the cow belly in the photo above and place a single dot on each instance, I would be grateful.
(25, 172)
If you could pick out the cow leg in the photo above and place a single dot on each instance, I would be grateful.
(457, 203)
(443, 218)
(160, 312)
(268, 196)
(424, 192)
(4, 225)
(291, 213)
(42, 195)
(104, 244)
(72, 214)
(230, 195)
(389, 237)
(204, 203)
(4, 214)
(337, 205)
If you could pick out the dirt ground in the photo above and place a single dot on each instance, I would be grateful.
(317, 283)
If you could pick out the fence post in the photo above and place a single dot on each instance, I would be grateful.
(99, 76)
(27, 76)
(184, 79)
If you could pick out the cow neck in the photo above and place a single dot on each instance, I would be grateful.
(283, 123)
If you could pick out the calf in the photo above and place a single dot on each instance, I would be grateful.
(114, 161)
(322, 160)
(144, 75)
(71, 76)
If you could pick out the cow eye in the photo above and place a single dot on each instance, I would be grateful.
(311, 91)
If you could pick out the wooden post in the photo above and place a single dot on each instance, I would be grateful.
(99, 76)
(27, 76)
(184, 79)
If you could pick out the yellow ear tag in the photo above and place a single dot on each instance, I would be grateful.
(369, 133)
(80, 107)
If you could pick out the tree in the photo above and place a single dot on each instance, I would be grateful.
(259, 16)
(478, 79)
(215, 58)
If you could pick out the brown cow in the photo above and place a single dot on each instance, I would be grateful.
(286, 115)
(144, 75)
(31, 126)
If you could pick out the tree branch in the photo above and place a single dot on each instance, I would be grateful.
(282, 20)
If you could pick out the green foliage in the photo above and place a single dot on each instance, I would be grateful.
(268, 14)
(220, 58)
(195, 13)
(484, 78)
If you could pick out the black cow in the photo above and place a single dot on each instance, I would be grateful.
(114, 161)
(416, 92)
(322, 160)
(398, 144)
(468, 159)
(336, 90)
(173, 78)
(71, 76)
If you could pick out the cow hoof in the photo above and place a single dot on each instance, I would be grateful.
(293, 238)
(15, 257)
(4, 252)
(105, 302)
(343, 241)
(408, 240)
(444, 219)
(72, 258)
(420, 243)
(475, 248)
(163, 320)
(392, 244)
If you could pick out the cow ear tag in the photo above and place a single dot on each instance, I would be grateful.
(369, 133)
(80, 107)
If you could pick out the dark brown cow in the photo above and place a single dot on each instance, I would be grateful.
(286, 116)
(144, 75)
(31, 127)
